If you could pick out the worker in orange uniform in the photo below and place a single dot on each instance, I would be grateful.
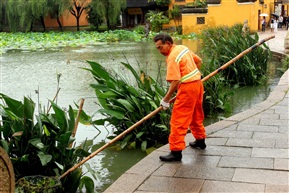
(184, 76)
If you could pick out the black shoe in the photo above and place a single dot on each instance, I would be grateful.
(173, 156)
(199, 143)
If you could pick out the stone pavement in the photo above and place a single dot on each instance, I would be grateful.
(247, 152)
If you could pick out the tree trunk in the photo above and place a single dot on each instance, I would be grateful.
(59, 23)
(77, 23)
(43, 23)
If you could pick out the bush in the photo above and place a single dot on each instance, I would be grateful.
(220, 45)
(40, 144)
(125, 103)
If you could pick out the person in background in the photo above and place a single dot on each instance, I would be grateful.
(263, 23)
(275, 25)
(280, 21)
(184, 76)
(272, 24)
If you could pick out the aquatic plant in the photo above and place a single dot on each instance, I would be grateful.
(125, 102)
(39, 143)
(219, 46)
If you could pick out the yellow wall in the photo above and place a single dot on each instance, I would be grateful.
(228, 13)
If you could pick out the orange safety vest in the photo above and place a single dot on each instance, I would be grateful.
(181, 65)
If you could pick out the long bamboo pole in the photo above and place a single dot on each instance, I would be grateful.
(160, 108)
(77, 119)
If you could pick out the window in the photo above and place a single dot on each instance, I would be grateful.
(200, 20)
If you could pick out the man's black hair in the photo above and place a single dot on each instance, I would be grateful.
(164, 38)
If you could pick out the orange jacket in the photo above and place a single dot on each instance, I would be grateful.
(183, 65)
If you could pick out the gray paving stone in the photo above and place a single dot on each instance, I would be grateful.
(219, 126)
(263, 106)
(165, 184)
(235, 134)
(252, 120)
(267, 112)
(148, 165)
(227, 151)
(216, 141)
(205, 172)
(276, 189)
(282, 143)
(247, 162)
(278, 122)
(168, 169)
(232, 187)
(281, 164)
(131, 182)
(243, 115)
(264, 135)
(198, 159)
(261, 176)
(284, 117)
(270, 153)
(281, 107)
(270, 143)
(284, 129)
(260, 128)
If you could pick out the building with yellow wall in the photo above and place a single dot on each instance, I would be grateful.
(230, 12)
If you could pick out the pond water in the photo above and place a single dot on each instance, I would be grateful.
(24, 72)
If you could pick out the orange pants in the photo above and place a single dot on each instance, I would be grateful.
(187, 113)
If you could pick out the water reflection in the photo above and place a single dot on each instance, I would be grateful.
(24, 72)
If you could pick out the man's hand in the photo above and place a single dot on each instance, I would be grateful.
(165, 105)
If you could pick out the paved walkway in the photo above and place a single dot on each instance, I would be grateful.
(247, 152)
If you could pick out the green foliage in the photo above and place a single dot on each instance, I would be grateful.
(40, 144)
(107, 10)
(38, 184)
(220, 45)
(285, 64)
(157, 19)
(94, 14)
(139, 29)
(223, 44)
(124, 103)
(175, 15)
(55, 41)
(198, 4)
(163, 2)
(2, 14)
(57, 8)
(22, 13)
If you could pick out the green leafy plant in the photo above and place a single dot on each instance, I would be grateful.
(197, 4)
(163, 2)
(176, 16)
(285, 64)
(157, 19)
(125, 103)
(39, 143)
(219, 46)
(223, 44)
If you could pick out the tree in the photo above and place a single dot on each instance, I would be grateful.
(22, 13)
(110, 10)
(2, 15)
(157, 19)
(57, 8)
(77, 8)
(175, 15)
(95, 14)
